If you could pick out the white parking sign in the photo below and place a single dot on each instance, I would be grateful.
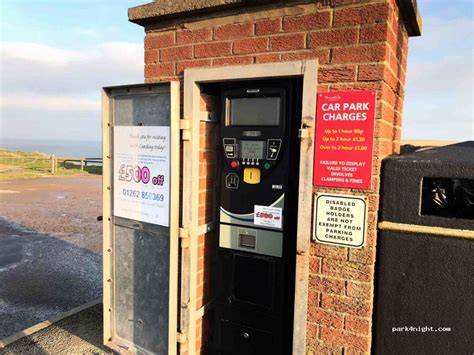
(340, 220)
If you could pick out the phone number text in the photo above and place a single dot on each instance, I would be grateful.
(143, 195)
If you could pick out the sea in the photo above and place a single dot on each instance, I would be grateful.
(60, 148)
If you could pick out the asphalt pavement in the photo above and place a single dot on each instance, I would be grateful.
(42, 276)
(50, 243)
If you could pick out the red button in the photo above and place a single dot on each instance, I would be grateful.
(234, 164)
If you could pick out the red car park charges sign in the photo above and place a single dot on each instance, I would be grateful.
(343, 147)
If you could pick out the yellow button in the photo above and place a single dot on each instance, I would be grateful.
(252, 175)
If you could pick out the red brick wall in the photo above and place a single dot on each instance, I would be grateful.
(207, 243)
(360, 45)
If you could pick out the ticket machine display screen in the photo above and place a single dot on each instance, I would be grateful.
(254, 111)
(252, 149)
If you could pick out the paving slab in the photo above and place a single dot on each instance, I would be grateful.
(80, 333)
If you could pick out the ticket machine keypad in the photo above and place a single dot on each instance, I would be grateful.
(255, 157)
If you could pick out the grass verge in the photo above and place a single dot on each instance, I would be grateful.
(16, 165)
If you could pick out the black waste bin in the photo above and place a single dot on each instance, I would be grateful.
(424, 268)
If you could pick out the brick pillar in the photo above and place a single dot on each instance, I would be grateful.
(360, 45)
(342, 279)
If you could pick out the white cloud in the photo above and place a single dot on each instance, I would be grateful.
(30, 123)
(41, 83)
(452, 74)
(41, 69)
(41, 102)
(439, 100)
(33, 53)
(443, 32)
(440, 79)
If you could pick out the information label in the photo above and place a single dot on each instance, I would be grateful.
(344, 139)
(268, 216)
(142, 173)
(340, 220)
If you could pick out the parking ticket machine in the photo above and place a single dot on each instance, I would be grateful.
(257, 222)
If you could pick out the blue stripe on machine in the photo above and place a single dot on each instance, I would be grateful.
(237, 218)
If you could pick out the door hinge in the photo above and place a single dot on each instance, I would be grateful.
(185, 127)
(182, 338)
(303, 132)
(184, 236)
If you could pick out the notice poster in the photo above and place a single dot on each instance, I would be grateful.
(344, 139)
(340, 220)
(142, 173)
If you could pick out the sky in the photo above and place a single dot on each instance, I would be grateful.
(57, 54)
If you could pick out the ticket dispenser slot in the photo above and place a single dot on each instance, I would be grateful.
(257, 223)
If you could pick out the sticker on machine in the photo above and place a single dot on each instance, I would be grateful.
(265, 216)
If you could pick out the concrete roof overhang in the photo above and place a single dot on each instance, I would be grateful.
(164, 10)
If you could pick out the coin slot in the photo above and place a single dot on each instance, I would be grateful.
(252, 175)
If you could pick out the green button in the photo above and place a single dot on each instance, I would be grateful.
(266, 166)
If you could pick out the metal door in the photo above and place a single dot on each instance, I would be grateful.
(141, 135)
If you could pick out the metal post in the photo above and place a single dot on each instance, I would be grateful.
(82, 164)
(52, 164)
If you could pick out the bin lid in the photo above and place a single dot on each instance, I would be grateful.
(462, 153)
(430, 187)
